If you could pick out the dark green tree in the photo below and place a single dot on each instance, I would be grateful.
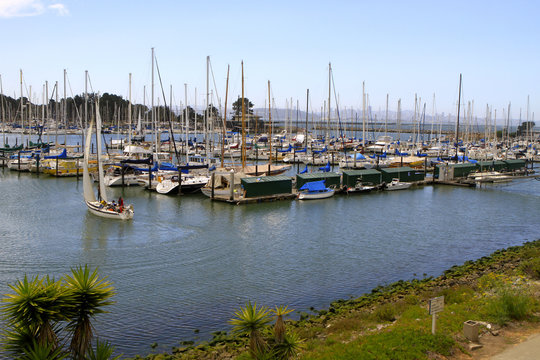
(525, 127)
(237, 108)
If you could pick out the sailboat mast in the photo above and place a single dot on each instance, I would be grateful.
(307, 115)
(269, 128)
(152, 102)
(363, 116)
(329, 91)
(458, 111)
(64, 108)
(129, 111)
(225, 120)
(207, 112)
(3, 113)
(22, 111)
(386, 117)
(243, 122)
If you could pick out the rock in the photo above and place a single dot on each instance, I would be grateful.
(495, 332)
(474, 346)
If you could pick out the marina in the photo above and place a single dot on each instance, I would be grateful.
(184, 262)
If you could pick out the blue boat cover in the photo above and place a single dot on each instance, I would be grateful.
(325, 168)
(62, 155)
(304, 171)
(359, 156)
(314, 186)
(286, 150)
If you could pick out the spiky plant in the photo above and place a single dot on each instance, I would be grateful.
(43, 352)
(103, 351)
(279, 327)
(289, 347)
(33, 310)
(90, 294)
(251, 320)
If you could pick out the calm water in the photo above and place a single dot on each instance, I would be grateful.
(186, 263)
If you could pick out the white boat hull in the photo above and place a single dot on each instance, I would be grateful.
(316, 195)
(98, 209)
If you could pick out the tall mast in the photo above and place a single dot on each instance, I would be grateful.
(56, 113)
(386, 117)
(64, 109)
(329, 91)
(243, 122)
(3, 113)
(207, 113)
(307, 114)
(129, 111)
(186, 124)
(47, 106)
(152, 102)
(363, 115)
(22, 112)
(458, 111)
(269, 128)
(224, 120)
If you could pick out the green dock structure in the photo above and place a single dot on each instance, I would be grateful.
(494, 165)
(515, 164)
(330, 178)
(266, 186)
(461, 170)
(366, 177)
(405, 174)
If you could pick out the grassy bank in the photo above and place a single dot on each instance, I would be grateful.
(392, 322)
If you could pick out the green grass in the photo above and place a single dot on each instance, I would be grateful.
(388, 345)
(510, 304)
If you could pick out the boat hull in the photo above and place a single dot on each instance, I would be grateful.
(316, 195)
(97, 209)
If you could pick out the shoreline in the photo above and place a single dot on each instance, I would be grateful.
(503, 261)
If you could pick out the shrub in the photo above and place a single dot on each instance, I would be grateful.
(510, 304)
(531, 268)
(386, 312)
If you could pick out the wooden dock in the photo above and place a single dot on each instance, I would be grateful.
(240, 199)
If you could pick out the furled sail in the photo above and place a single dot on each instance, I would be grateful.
(87, 182)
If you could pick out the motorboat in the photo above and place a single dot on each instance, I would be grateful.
(395, 184)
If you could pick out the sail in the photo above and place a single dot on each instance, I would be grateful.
(102, 192)
(88, 190)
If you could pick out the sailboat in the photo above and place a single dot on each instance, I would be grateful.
(100, 206)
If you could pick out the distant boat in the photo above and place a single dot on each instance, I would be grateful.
(395, 184)
(315, 190)
(100, 206)
(190, 183)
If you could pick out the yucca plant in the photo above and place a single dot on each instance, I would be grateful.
(103, 351)
(90, 294)
(251, 320)
(34, 309)
(289, 347)
(279, 327)
(43, 352)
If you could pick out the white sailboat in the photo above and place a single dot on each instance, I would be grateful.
(100, 206)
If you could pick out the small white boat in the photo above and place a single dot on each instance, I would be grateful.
(395, 184)
(190, 183)
(360, 188)
(315, 190)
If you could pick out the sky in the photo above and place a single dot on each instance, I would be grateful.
(400, 48)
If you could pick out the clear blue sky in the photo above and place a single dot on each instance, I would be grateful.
(396, 47)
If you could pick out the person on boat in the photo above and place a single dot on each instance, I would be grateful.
(120, 201)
